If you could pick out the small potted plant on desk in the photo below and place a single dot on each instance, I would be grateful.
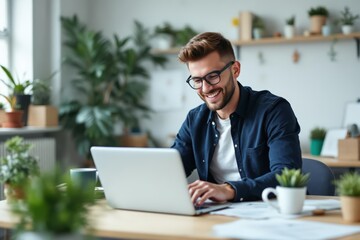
(348, 188)
(291, 191)
(317, 136)
(17, 91)
(51, 210)
(347, 21)
(17, 167)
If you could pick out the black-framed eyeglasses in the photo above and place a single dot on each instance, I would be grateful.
(212, 78)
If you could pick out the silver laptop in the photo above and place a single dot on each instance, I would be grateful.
(146, 179)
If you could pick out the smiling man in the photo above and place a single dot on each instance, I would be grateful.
(239, 138)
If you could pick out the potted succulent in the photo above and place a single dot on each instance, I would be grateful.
(41, 112)
(317, 136)
(17, 166)
(347, 21)
(18, 89)
(318, 16)
(258, 27)
(291, 191)
(348, 188)
(49, 211)
(289, 29)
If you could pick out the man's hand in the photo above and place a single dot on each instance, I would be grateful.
(200, 191)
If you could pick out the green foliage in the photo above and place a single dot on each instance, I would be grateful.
(292, 178)
(347, 18)
(179, 36)
(348, 184)
(49, 208)
(320, 10)
(290, 21)
(258, 22)
(318, 133)
(41, 91)
(15, 86)
(2, 106)
(110, 85)
(17, 166)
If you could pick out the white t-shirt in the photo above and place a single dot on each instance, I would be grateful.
(223, 166)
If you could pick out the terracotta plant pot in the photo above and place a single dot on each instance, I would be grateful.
(316, 23)
(350, 208)
(13, 193)
(13, 119)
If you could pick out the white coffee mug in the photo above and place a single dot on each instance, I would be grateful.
(289, 200)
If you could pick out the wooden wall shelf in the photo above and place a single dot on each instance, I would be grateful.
(298, 39)
(279, 40)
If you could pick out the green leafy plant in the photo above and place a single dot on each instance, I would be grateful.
(348, 184)
(180, 36)
(2, 106)
(50, 209)
(15, 86)
(18, 165)
(318, 133)
(258, 22)
(292, 178)
(41, 92)
(290, 21)
(110, 83)
(347, 18)
(318, 11)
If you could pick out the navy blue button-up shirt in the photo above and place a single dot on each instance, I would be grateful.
(265, 137)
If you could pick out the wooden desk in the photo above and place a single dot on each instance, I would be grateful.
(333, 162)
(108, 222)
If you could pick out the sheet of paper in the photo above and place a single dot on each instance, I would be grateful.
(261, 210)
(282, 229)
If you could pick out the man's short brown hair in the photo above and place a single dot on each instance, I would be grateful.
(205, 43)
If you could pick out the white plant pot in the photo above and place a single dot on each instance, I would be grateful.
(289, 31)
(347, 29)
(326, 30)
(258, 33)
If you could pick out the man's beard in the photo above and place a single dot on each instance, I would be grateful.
(227, 91)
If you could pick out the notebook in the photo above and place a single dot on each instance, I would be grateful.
(146, 179)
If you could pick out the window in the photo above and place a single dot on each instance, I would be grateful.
(4, 40)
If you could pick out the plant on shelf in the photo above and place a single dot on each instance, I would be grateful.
(289, 29)
(17, 92)
(290, 21)
(318, 16)
(258, 27)
(17, 166)
(347, 21)
(292, 178)
(49, 211)
(41, 112)
(348, 188)
(178, 37)
(110, 83)
(317, 136)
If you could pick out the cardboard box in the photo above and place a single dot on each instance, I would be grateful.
(43, 116)
(2, 117)
(349, 149)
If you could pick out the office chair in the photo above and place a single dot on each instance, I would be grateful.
(321, 178)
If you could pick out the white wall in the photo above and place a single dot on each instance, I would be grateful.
(316, 87)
